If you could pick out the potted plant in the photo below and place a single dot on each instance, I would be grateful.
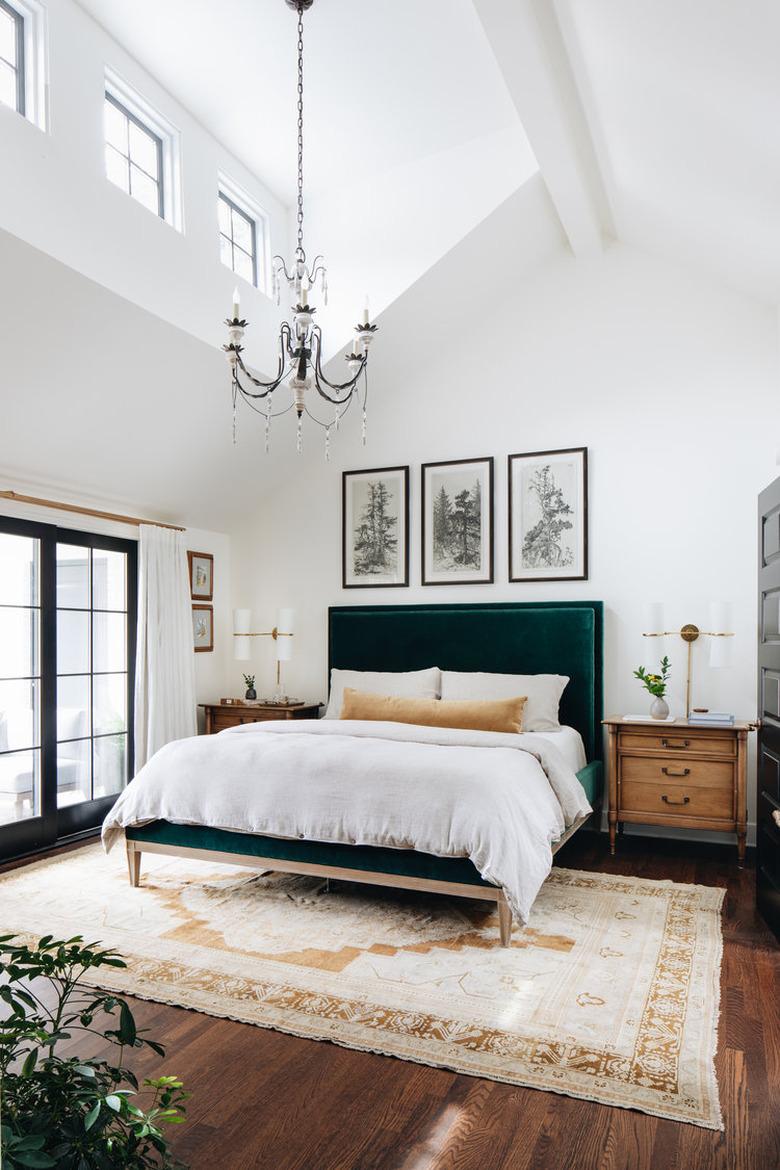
(655, 684)
(69, 1111)
(251, 693)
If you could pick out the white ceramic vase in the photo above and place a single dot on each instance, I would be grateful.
(659, 709)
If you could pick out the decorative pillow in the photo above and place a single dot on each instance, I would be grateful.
(419, 684)
(543, 693)
(498, 715)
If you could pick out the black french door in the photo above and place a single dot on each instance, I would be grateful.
(768, 771)
(67, 654)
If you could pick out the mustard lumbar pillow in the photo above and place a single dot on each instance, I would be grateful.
(472, 715)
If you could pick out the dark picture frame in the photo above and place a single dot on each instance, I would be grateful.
(203, 647)
(539, 535)
(430, 540)
(192, 560)
(371, 568)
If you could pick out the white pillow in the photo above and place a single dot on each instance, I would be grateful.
(543, 692)
(410, 684)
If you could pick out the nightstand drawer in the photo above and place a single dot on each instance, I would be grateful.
(677, 770)
(677, 799)
(674, 742)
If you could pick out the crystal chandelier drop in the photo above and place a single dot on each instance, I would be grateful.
(300, 341)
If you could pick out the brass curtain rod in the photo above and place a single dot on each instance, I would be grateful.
(18, 498)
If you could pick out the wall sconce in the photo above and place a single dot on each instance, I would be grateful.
(719, 648)
(282, 634)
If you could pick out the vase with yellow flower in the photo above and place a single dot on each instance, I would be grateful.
(655, 685)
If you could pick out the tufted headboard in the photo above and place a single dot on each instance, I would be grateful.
(535, 637)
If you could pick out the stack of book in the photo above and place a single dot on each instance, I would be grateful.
(711, 718)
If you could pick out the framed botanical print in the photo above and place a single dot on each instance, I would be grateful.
(375, 527)
(201, 576)
(457, 522)
(202, 628)
(548, 515)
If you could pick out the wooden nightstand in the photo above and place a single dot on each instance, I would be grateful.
(222, 715)
(678, 774)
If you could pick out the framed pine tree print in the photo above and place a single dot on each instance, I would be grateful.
(548, 515)
(375, 527)
(457, 522)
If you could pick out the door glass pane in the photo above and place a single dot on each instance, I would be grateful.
(73, 707)
(18, 642)
(110, 703)
(19, 576)
(72, 576)
(19, 715)
(109, 641)
(109, 572)
(20, 786)
(72, 641)
(110, 765)
(74, 762)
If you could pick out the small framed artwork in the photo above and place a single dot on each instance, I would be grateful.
(375, 527)
(457, 522)
(548, 515)
(201, 576)
(202, 628)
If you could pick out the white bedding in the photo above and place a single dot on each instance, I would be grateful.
(500, 800)
(569, 743)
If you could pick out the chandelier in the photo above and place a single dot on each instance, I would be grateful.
(300, 340)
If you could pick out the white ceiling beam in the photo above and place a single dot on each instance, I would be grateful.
(528, 46)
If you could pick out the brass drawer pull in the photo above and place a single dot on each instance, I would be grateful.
(776, 817)
(675, 746)
(667, 800)
(671, 772)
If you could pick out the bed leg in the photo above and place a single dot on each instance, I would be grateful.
(133, 864)
(504, 921)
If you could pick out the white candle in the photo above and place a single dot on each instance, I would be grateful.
(304, 292)
(236, 305)
(365, 312)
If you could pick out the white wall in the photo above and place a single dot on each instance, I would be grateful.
(55, 194)
(665, 377)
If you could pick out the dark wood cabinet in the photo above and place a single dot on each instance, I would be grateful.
(220, 716)
(768, 770)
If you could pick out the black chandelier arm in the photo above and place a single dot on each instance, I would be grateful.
(263, 413)
(285, 338)
(319, 376)
(327, 426)
(248, 394)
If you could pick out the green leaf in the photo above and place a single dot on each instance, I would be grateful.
(114, 1102)
(92, 1116)
(30, 1061)
(35, 1158)
(127, 1029)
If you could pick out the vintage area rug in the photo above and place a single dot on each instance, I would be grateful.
(611, 993)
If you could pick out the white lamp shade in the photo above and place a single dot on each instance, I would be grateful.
(242, 649)
(284, 649)
(285, 623)
(242, 621)
(653, 618)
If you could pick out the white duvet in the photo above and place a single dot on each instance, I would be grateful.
(500, 800)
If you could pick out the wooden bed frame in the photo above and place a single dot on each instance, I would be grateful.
(528, 638)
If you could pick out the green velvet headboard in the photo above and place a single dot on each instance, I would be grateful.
(540, 637)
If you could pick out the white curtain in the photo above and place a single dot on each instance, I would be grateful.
(165, 707)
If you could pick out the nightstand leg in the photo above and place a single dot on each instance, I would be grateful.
(612, 828)
(741, 847)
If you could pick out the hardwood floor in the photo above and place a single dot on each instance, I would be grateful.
(264, 1100)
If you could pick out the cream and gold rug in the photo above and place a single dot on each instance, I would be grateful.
(610, 994)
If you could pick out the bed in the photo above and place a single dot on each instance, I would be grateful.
(533, 638)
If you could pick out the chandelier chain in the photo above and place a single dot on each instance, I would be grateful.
(300, 131)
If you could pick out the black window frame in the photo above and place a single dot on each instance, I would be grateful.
(55, 826)
(250, 219)
(19, 69)
(159, 146)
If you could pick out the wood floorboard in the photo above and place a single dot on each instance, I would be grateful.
(262, 1100)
